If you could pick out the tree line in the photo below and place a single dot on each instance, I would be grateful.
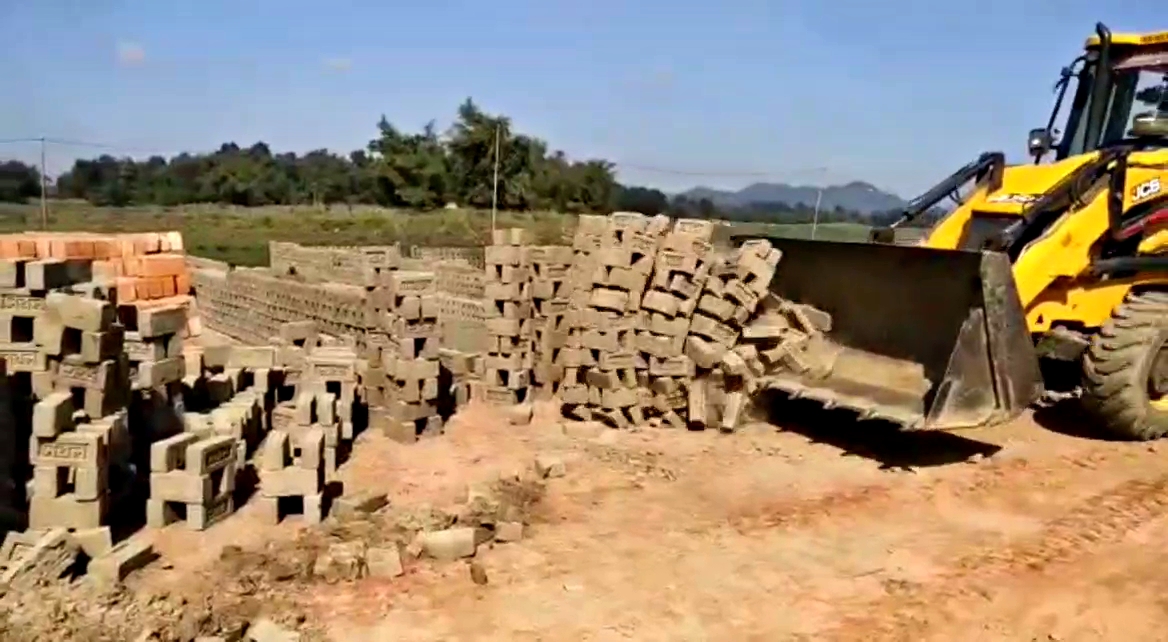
(420, 170)
(18, 181)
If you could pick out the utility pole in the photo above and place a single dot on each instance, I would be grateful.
(815, 216)
(495, 186)
(822, 171)
(44, 181)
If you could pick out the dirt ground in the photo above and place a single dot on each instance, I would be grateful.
(1027, 531)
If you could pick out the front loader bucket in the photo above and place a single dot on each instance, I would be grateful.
(927, 338)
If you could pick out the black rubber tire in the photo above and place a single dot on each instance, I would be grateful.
(1116, 367)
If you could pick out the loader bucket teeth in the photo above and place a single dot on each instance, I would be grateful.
(921, 337)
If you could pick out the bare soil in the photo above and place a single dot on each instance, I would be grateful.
(824, 530)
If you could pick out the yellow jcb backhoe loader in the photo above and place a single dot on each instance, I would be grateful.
(1041, 268)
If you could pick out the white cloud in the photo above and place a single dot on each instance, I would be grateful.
(130, 53)
(338, 64)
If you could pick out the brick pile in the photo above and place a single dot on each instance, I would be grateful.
(680, 270)
(244, 400)
(549, 266)
(70, 310)
(70, 487)
(634, 320)
(327, 398)
(251, 304)
(388, 315)
(291, 471)
(506, 370)
(363, 266)
(731, 296)
(79, 431)
(79, 346)
(591, 230)
(403, 387)
(457, 374)
(129, 267)
(607, 362)
(192, 479)
(785, 334)
(461, 311)
(153, 346)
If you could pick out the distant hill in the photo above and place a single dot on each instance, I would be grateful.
(856, 196)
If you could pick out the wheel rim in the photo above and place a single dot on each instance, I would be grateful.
(1158, 379)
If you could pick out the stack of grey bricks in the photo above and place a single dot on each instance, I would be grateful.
(365, 266)
(291, 472)
(461, 288)
(68, 350)
(250, 304)
(253, 372)
(290, 358)
(153, 346)
(237, 380)
(325, 401)
(192, 479)
(24, 286)
(403, 387)
(71, 466)
(472, 256)
(80, 427)
(338, 288)
(81, 345)
(549, 267)
(591, 232)
(609, 363)
(506, 369)
(732, 293)
(680, 270)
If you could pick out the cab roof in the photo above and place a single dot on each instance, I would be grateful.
(1132, 39)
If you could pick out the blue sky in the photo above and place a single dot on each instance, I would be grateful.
(896, 92)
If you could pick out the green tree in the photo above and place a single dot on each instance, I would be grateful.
(422, 169)
(18, 181)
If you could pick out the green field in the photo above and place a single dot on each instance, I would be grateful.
(240, 235)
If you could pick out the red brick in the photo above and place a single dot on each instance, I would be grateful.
(182, 283)
(156, 265)
(155, 286)
(141, 288)
(127, 292)
(106, 248)
(106, 270)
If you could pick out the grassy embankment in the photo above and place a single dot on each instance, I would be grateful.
(240, 235)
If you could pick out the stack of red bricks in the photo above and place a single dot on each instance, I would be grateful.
(138, 269)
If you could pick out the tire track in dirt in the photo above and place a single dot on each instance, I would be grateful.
(803, 512)
(912, 612)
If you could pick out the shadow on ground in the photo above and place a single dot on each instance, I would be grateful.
(1067, 418)
(879, 441)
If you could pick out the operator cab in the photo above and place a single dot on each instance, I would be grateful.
(1121, 97)
(1119, 103)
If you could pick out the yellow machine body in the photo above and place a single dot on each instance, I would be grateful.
(949, 333)
(1052, 275)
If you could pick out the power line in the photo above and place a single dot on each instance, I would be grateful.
(70, 142)
(654, 169)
